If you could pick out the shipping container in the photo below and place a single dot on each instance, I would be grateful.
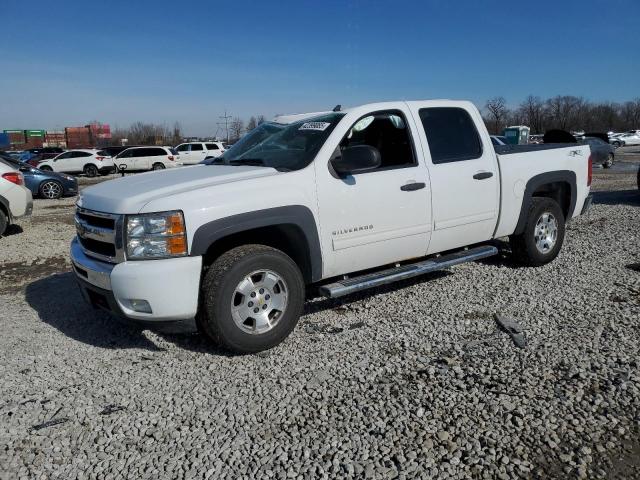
(78, 137)
(55, 139)
(4, 140)
(34, 133)
(16, 138)
(33, 142)
(100, 130)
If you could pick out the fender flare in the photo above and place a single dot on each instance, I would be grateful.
(296, 215)
(542, 179)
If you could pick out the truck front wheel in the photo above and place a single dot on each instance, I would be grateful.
(251, 299)
(543, 234)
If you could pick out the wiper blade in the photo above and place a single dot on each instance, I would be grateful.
(258, 162)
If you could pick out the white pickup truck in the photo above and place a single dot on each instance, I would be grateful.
(340, 200)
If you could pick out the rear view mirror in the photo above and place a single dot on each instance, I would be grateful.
(357, 159)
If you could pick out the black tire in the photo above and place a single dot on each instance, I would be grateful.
(46, 168)
(616, 144)
(50, 189)
(158, 166)
(90, 170)
(219, 291)
(638, 178)
(524, 246)
(4, 222)
(609, 161)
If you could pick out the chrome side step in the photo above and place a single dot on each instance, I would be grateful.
(355, 284)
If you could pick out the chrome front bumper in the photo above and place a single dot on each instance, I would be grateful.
(92, 271)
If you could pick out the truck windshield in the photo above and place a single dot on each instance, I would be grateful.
(283, 147)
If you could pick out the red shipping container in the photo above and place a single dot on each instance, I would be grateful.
(100, 131)
(33, 142)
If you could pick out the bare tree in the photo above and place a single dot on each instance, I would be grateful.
(176, 134)
(532, 113)
(253, 123)
(261, 119)
(497, 109)
(236, 127)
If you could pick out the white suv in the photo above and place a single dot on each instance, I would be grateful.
(91, 162)
(195, 152)
(147, 158)
(15, 198)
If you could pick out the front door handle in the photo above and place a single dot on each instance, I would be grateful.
(483, 175)
(410, 187)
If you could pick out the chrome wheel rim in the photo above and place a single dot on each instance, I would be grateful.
(51, 190)
(546, 232)
(259, 302)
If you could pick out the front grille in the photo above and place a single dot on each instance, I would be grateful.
(96, 246)
(97, 221)
(100, 234)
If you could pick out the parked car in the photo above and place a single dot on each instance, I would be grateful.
(601, 152)
(15, 198)
(147, 158)
(20, 155)
(192, 153)
(628, 138)
(333, 195)
(113, 151)
(498, 140)
(40, 157)
(49, 185)
(254, 137)
(48, 150)
(91, 162)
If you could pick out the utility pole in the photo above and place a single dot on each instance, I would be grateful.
(226, 118)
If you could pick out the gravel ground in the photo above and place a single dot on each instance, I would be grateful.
(410, 381)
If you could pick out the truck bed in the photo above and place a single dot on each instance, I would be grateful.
(521, 164)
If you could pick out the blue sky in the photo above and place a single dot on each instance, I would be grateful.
(66, 63)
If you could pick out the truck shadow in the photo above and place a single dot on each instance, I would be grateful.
(617, 197)
(58, 302)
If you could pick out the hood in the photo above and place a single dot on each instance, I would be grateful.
(131, 193)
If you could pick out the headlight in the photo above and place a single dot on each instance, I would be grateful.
(156, 235)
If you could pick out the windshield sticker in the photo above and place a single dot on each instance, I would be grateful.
(319, 126)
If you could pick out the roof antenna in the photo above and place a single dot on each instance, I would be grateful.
(337, 108)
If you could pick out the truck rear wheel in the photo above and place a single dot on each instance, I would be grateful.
(251, 299)
(542, 238)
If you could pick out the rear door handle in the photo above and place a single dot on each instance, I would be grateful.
(410, 187)
(483, 175)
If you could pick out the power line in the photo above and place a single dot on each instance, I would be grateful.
(226, 118)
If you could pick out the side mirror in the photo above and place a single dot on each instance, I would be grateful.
(357, 159)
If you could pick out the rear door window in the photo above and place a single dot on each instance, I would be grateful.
(80, 154)
(212, 146)
(451, 134)
(156, 152)
(196, 147)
